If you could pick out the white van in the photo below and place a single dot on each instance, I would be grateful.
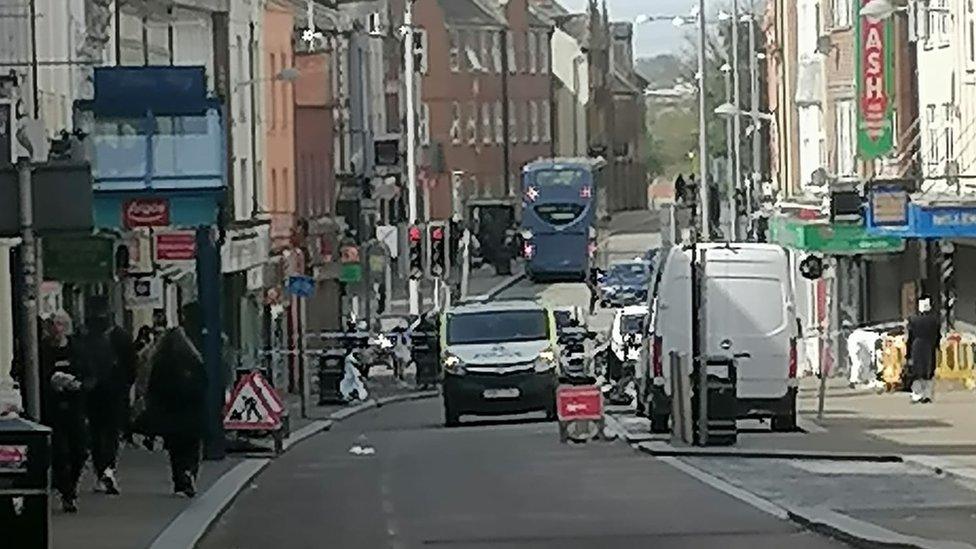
(750, 313)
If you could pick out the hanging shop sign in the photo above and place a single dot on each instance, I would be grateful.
(144, 293)
(245, 249)
(831, 238)
(145, 212)
(875, 86)
(175, 246)
(889, 205)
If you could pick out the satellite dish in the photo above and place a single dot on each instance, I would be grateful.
(819, 177)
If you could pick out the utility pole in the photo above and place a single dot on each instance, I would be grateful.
(32, 373)
(702, 126)
(754, 108)
(413, 287)
(736, 120)
(730, 175)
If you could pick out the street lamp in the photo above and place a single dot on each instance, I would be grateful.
(728, 109)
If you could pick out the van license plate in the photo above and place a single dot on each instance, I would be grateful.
(501, 393)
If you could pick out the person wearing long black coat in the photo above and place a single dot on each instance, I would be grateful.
(175, 407)
(64, 377)
(112, 360)
(924, 337)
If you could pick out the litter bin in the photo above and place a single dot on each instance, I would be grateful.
(425, 354)
(25, 483)
(331, 370)
(721, 403)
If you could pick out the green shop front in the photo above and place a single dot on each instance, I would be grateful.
(871, 273)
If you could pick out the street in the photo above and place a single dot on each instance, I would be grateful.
(489, 483)
(485, 484)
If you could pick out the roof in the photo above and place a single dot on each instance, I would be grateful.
(562, 162)
(576, 25)
(502, 305)
(626, 83)
(469, 12)
(547, 9)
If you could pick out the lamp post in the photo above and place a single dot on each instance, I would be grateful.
(730, 172)
(736, 121)
(413, 285)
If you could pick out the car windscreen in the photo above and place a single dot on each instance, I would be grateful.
(631, 324)
(497, 327)
(563, 319)
(628, 273)
(559, 214)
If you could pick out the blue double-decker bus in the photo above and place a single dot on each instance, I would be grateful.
(559, 211)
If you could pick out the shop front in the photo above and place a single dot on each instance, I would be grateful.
(244, 254)
(852, 291)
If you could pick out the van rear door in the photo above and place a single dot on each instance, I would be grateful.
(747, 313)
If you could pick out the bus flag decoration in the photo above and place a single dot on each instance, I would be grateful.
(253, 406)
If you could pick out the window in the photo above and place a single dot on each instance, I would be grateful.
(950, 149)
(972, 42)
(420, 50)
(933, 134)
(842, 12)
(486, 59)
(499, 123)
(486, 131)
(243, 178)
(241, 113)
(526, 130)
(543, 52)
(274, 93)
(284, 93)
(285, 185)
(455, 123)
(844, 136)
(532, 46)
(454, 54)
(496, 51)
(423, 124)
(546, 122)
(534, 120)
(275, 207)
(470, 46)
(472, 123)
(473, 185)
(512, 60)
(512, 122)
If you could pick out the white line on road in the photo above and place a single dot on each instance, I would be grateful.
(734, 491)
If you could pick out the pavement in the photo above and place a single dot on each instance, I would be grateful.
(877, 470)
(147, 505)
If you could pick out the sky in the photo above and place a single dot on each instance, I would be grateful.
(656, 37)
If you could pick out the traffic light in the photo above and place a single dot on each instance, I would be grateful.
(415, 241)
(437, 239)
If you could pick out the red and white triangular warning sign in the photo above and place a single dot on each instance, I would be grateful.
(249, 409)
(268, 392)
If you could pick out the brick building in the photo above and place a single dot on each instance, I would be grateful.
(485, 101)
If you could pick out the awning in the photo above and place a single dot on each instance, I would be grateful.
(830, 238)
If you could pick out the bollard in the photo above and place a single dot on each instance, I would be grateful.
(25, 483)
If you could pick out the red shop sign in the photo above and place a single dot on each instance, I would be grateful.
(177, 246)
(145, 212)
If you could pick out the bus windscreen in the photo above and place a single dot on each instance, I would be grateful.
(559, 214)
(559, 178)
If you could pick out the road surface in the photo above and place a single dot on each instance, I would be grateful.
(505, 485)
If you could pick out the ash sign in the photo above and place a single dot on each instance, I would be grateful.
(875, 86)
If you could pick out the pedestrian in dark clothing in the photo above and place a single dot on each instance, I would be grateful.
(63, 379)
(175, 406)
(924, 337)
(112, 362)
(593, 285)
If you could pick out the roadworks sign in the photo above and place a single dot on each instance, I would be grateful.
(254, 405)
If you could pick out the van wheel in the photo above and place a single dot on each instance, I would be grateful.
(659, 423)
(785, 423)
